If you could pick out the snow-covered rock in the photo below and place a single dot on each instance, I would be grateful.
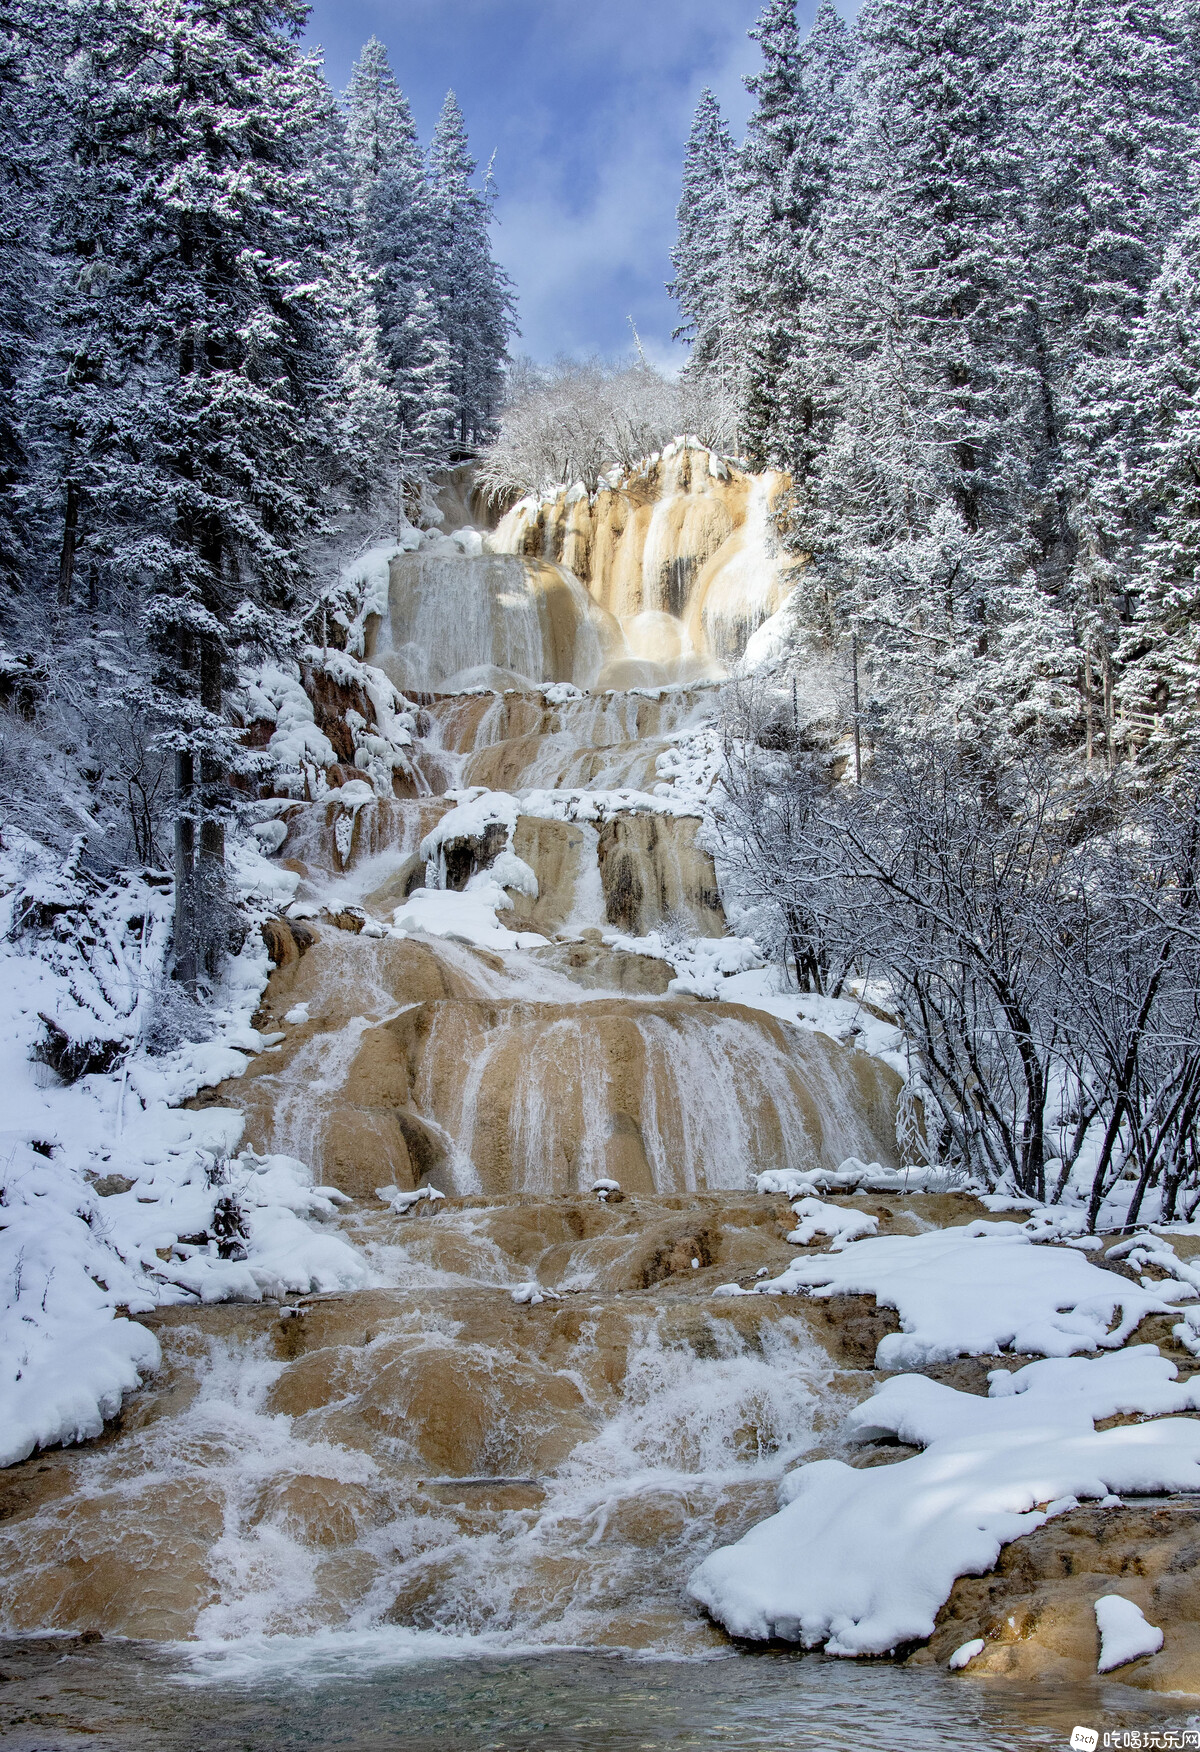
(468, 916)
(842, 1226)
(1124, 1633)
(532, 1294)
(974, 1290)
(859, 1561)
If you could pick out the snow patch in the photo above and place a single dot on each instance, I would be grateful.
(841, 1225)
(1124, 1633)
(975, 1290)
(859, 1561)
(468, 916)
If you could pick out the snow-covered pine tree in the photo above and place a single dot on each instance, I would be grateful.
(1160, 651)
(933, 292)
(924, 326)
(24, 128)
(1111, 96)
(471, 292)
(362, 404)
(760, 239)
(233, 209)
(701, 257)
(398, 242)
(798, 427)
(783, 178)
(364, 409)
(429, 411)
(379, 124)
(90, 384)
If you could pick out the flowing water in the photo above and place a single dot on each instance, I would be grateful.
(426, 1513)
(392, 1693)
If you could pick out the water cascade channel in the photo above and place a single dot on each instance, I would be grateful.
(429, 1467)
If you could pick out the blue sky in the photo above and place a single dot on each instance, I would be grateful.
(587, 107)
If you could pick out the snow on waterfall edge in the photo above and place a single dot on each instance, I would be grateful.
(102, 1177)
(859, 1561)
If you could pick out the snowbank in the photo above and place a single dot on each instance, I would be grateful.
(113, 1199)
(860, 1561)
(841, 1225)
(975, 1290)
(468, 916)
(851, 1176)
(582, 805)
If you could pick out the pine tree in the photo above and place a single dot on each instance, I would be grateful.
(232, 213)
(398, 242)
(1112, 96)
(784, 175)
(1161, 649)
(92, 382)
(429, 416)
(702, 256)
(471, 293)
(929, 287)
(923, 335)
(364, 410)
(379, 127)
(24, 134)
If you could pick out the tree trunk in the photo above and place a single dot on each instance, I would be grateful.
(186, 968)
(66, 561)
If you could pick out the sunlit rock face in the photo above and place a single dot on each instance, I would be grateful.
(659, 580)
(682, 553)
(421, 1059)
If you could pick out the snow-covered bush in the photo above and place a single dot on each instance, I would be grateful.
(578, 422)
(1034, 933)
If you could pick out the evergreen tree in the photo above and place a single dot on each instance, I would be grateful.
(398, 232)
(784, 176)
(922, 337)
(364, 410)
(24, 133)
(362, 405)
(1112, 98)
(233, 213)
(1161, 649)
(429, 411)
(471, 293)
(379, 124)
(702, 256)
(91, 384)
(931, 296)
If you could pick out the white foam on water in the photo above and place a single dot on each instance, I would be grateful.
(690, 1433)
(689, 1430)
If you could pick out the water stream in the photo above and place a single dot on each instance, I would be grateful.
(393, 1693)
(426, 1514)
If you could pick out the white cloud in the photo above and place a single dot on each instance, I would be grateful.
(587, 253)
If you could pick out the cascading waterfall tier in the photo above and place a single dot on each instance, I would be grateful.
(489, 620)
(411, 1068)
(535, 1425)
(682, 553)
(435, 1456)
